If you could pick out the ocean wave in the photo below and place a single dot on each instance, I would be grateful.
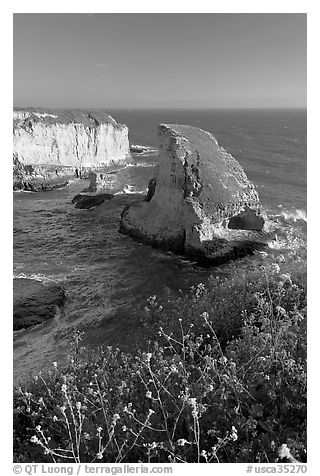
(143, 164)
(294, 215)
(130, 189)
(23, 191)
(140, 164)
(143, 150)
(39, 277)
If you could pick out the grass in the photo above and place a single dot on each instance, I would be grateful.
(223, 380)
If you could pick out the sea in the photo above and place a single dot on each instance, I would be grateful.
(108, 277)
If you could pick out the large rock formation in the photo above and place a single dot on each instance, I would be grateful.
(201, 204)
(50, 146)
(34, 303)
(103, 182)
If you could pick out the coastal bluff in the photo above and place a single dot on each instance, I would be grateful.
(49, 145)
(200, 204)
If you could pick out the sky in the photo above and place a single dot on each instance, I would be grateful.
(160, 60)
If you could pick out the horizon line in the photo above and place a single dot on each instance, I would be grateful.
(152, 108)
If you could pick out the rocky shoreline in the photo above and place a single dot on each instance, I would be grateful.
(201, 204)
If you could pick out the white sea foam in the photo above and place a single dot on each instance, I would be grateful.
(40, 277)
(23, 191)
(294, 215)
(144, 150)
(130, 189)
(140, 164)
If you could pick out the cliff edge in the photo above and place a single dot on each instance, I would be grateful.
(201, 203)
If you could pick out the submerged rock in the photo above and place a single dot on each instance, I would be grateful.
(34, 303)
(201, 203)
(85, 201)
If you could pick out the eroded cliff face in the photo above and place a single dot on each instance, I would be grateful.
(202, 203)
(57, 143)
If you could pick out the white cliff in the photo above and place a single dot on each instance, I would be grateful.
(65, 138)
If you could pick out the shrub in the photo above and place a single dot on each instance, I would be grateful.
(193, 397)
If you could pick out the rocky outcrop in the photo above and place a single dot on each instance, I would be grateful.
(86, 201)
(49, 146)
(201, 204)
(103, 182)
(151, 189)
(34, 303)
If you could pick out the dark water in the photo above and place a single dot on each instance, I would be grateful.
(107, 276)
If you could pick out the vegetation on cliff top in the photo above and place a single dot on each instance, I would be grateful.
(223, 380)
(89, 118)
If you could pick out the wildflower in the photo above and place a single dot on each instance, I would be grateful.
(115, 418)
(275, 267)
(124, 428)
(86, 436)
(55, 364)
(205, 455)
(234, 433)
(192, 402)
(151, 411)
(34, 439)
(78, 405)
(54, 418)
(223, 360)
(284, 452)
(99, 455)
(280, 310)
(149, 394)
(285, 278)
(99, 429)
(205, 315)
(148, 357)
(38, 427)
(182, 442)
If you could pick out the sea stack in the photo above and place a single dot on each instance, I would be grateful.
(202, 204)
(52, 146)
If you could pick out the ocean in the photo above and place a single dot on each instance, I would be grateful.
(107, 276)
